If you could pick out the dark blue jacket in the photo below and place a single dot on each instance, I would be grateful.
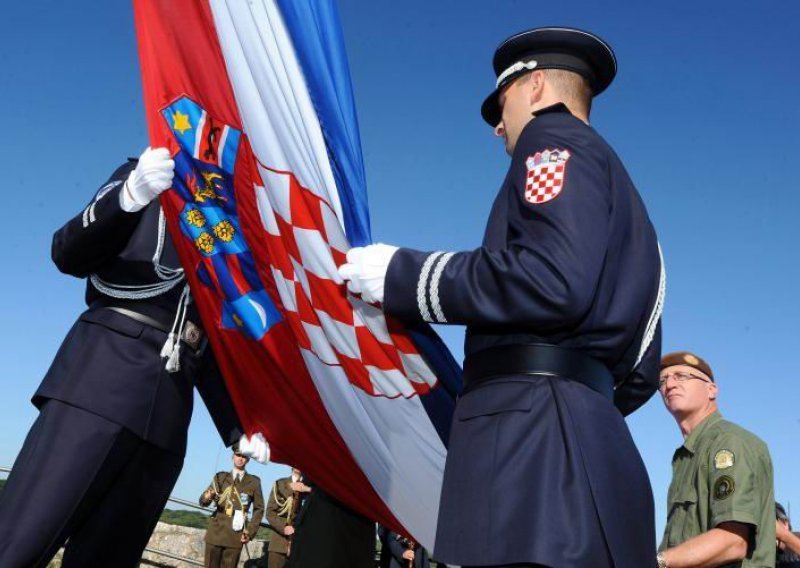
(580, 270)
(109, 363)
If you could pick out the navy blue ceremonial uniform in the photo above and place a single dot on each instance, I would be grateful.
(541, 468)
(392, 548)
(108, 445)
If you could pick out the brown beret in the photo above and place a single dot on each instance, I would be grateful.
(686, 358)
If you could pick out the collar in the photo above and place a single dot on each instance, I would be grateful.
(241, 473)
(557, 108)
(690, 443)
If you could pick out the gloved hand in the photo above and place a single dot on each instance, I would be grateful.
(153, 175)
(255, 446)
(365, 270)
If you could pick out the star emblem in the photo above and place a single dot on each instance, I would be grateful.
(180, 122)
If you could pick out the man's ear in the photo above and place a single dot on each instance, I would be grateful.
(535, 85)
(713, 391)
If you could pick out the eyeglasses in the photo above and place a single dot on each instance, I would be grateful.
(680, 377)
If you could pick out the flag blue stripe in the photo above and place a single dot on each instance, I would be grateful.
(317, 37)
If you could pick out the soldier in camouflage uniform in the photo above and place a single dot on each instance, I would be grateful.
(721, 504)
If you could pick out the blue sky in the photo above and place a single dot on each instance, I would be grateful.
(703, 114)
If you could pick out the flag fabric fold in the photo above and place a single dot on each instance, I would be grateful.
(255, 101)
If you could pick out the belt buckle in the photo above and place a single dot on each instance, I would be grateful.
(192, 334)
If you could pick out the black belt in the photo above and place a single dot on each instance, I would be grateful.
(192, 335)
(537, 359)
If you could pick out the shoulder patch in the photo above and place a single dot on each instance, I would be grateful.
(724, 487)
(546, 172)
(724, 459)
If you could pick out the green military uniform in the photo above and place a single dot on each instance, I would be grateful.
(722, 473)
(223, 543)
(279, 507)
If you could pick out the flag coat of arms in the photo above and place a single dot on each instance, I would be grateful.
(255, 102)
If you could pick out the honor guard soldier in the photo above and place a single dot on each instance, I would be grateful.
(721, 502)
(104, 453)
(282, 507)
(234, 492)
(562, 305)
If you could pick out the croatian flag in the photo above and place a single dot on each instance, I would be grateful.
(254, 99)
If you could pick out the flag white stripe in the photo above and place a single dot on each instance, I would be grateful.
(221, 147)
(198, 135)
(265, 74)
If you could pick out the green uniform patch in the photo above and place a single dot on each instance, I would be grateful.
(724, 459)
(724, 487)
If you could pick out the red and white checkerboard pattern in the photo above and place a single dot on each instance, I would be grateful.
(306, 244)
(544, 182)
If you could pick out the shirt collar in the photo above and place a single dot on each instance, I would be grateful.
(690, 443)
(552, 109)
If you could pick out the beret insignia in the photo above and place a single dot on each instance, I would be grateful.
(724, 487)
(691, 359)
(723, 459)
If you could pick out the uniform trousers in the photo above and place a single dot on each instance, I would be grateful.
(222, 556)
(83, 477)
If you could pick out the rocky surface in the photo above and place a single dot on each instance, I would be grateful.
(188, 543)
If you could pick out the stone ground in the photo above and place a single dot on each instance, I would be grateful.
(188, 543)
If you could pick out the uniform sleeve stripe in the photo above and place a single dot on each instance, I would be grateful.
(655, 315)
(422, 285)
(88, 214)
(437, 275)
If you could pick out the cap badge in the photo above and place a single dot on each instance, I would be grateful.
(691, 359)
(546, 172)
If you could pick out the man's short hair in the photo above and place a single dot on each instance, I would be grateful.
(780, 513)
(574, 88)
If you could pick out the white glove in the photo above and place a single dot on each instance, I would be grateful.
(365, 270)
(152, 176)
(255, 446)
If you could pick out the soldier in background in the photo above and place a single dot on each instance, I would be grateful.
(788, 542)
(721, 503)
(228, 529)
(398, 551)
(282, 506)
